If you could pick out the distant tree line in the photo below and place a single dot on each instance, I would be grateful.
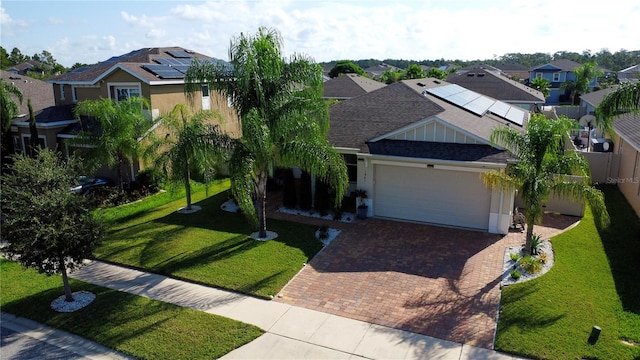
(45, 65)
(604, 58)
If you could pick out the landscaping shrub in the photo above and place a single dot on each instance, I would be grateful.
(515, 274)
(530, 264)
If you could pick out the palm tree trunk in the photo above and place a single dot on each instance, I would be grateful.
(527, 244)
(68, 296)
(261, 200)
(187, 189)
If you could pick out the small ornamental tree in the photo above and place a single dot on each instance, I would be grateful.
(47, 227)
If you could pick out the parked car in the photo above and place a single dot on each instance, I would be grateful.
(88, 184)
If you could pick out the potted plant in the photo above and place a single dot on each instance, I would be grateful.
(362, 209)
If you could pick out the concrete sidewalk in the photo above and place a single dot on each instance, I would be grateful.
(291, 332)
(27, 339)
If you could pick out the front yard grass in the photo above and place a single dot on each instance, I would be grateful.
(135, 325)
(211, 246)
(594, 281)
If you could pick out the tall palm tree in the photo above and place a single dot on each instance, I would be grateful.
(8, 111)
(543, 85)
(182, 150)
(626, 98)
(114, 139)
(284, 119)
(543, 167)
(584, 75)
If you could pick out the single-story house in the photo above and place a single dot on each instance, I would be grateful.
(418, 148)
(490, 82)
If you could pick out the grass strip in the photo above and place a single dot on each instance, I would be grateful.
(593, 282)
(211, 247)
(134, 325)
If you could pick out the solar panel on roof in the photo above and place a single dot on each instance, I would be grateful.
(477, 103)
(179, 54)
(164, 71)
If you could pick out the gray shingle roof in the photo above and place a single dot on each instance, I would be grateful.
(628, 126)
(562, 65)
(349, 85)
(595, 97)
(356, 121)
(439, 151)
(40, 92)
(132, 61)
(494, 85)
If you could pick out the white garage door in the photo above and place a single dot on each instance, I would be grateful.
(446, 197)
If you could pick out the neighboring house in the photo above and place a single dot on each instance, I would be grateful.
(154, 73)
(515, 71)
(376, 71)
(489, 81)
(347, 86)
(631, 73)
(557, 72)
(627, 147)
(42, 102)
(418, 148)
(25, 67)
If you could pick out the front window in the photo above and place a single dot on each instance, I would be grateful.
(74, 93)
(61, 92)
(539, 75)
(123, 93)
(556, 77)
(351, 160)
(205, 90)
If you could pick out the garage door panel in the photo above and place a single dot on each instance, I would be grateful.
(432, 195)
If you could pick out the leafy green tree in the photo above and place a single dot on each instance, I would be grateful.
(346, 67)
(4, 59)
(413, 71)
(113, 141)
(542, 168)
(284, 119)
(17, 57)
(626, 98)
(182, 150)
(543, 85)
(391, 76)
(8, 111)
(47, 227)
(437, 73)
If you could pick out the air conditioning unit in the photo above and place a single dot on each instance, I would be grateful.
(601, 145)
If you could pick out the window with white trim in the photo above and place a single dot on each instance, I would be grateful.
(538, 75)
(556, 77)
(74, 93)
(123, 93)
(61, 91)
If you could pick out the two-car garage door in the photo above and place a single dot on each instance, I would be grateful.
(431, 195)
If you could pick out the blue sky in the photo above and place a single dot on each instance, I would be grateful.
(91, 31)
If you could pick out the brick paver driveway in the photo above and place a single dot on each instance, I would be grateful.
(436, 281)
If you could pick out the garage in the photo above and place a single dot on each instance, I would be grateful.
(436, 195)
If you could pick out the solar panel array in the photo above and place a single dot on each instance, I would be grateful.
(477, 103)
(176, 68)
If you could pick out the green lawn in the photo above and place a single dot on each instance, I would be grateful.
(594, 281)
(211, 247)
(131, 324)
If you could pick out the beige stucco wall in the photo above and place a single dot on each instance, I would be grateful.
(628, 178)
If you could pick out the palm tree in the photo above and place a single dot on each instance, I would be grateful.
(8, 111)
(114, 140)
(626, 98)
(182, 150)
(584, 75)
(543, 85)
(284, 119)
(543, 167)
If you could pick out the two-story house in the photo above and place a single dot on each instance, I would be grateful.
(558, 72)
(154, 73)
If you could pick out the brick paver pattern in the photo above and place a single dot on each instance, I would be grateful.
(437, 281)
